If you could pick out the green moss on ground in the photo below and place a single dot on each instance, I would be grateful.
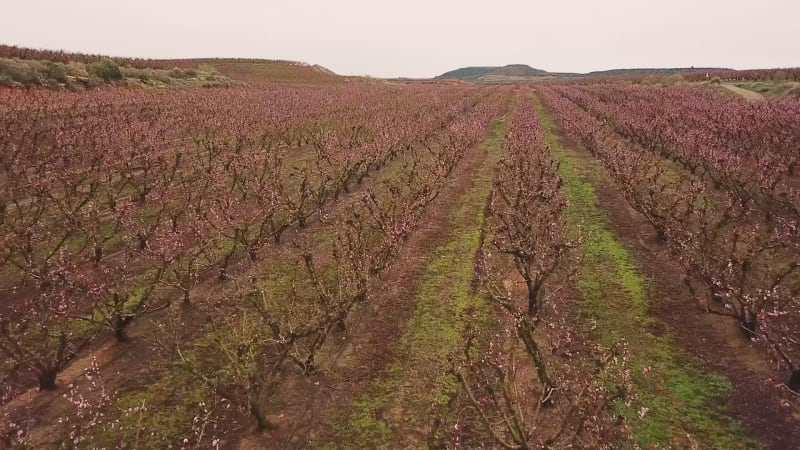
(686, 405)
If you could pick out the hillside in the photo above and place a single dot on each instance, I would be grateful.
(520, 72)
(649, 72)
(488, 74)
(20, 66)
(256, 71)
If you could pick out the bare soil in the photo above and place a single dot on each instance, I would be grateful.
(744, 93)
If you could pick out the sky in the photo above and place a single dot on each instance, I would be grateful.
(421, 38)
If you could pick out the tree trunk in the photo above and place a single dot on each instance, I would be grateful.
(251, 252)
(142, 241)
(223, 270)
(261, 421)
(794, 381)
(661, 237)
(121, 333)
(47, 379)
(525, 330)
(535, 294)
(121, 328)
(749, 324)
(98, 255)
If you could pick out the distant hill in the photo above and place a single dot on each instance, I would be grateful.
(478, 74)
(521, 72)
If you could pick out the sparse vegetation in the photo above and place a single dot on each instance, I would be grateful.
(104, 72)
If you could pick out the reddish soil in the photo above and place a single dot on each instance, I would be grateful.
(766, 409)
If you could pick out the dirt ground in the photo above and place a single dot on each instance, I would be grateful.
(749, 95)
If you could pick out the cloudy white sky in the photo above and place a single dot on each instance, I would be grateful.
(421, 38)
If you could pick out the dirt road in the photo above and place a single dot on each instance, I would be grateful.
(749, 95)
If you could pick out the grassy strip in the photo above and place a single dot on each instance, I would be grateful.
(772, 89)
(686, 406)
(418, 390)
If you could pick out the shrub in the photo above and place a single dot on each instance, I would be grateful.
(141, 74)
(161, 76)
(75, 69)
(107, 70)
(55, 71)
(18, 72)
(182, 74)
(6, 80)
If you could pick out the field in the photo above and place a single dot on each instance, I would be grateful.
(295, 259)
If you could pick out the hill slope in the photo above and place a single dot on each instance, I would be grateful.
(521, 72)
(478, 74)
(255, 71)
(20, 66)
(647, 72)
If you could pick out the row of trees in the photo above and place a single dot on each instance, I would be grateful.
(779, 74)
(113, 201)
(737, 242)
(524, 398)
(278, 318)
(744, 147)
(290, 325)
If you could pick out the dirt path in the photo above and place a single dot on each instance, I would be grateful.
(749, 95)
(727, 377)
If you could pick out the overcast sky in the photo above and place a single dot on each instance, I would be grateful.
(421, 38)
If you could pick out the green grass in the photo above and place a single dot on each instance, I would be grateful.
(418, 388)
(772, 88)
(686, 405)
(160, 414)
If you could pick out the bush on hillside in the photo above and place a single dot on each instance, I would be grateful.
(107, 70)
(13, 72)
(54, 71)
